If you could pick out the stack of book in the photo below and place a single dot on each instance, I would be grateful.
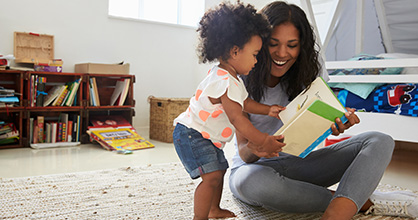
(8, 133)
(58, 95)
(114, 133)
(121, 91)
(94, 94)
(7, 97)
(50, 132)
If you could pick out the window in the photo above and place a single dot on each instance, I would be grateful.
(184, 12)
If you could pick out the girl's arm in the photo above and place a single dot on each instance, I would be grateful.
(246, 151)
(253, 107)
(242, 124)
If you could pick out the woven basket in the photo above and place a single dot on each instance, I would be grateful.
(163, 111)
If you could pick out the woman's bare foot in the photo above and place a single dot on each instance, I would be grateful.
(221, 213)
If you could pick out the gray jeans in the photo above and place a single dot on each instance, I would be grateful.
(291, 184)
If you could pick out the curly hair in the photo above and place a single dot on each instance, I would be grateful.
(226, 26)
(304, 70)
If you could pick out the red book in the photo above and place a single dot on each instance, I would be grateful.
(69, 131)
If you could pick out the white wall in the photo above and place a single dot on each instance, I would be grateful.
(162, 57)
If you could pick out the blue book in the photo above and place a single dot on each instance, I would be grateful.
(9, 99)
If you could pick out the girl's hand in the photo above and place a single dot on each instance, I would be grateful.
(271, 145)
(352, 120)
(275, 110)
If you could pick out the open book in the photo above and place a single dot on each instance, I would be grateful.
(307, 119)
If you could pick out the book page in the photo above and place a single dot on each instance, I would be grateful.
(318, 90)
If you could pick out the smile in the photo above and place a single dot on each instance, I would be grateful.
(280, 63)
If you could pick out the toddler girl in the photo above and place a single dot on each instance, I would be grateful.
(232, 35)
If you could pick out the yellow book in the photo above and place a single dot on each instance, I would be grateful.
(307, 119)
(120, 139)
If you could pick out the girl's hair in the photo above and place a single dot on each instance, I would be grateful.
(304, 70)
(226, 26)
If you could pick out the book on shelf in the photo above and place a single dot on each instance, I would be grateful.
(94, 94)
(60, 98)
(47, 132)
(55, 129)
(40, 92)
(53, 132)
(108, 121)
(119, 139)
(10, 140)
(307, 119)
(53, 93)
(73, 92)
(63, 118)
(121, 90)
(8, 130)
(40, 124)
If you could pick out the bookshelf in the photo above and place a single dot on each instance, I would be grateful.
(20, 113)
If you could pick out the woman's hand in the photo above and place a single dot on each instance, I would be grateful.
(352, 120)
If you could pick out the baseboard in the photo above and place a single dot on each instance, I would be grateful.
(407, 146)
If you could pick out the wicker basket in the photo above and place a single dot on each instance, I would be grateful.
(163, 111)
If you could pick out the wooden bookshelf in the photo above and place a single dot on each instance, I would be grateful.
(21, 113)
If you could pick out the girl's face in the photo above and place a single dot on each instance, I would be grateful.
(284, 48)
(245, 59)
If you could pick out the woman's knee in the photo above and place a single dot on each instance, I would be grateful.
(254, 182)
(381, 141)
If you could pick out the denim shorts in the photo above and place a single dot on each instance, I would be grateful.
(198, 155)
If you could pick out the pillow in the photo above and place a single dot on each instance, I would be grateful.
(406, 70)
(363, 89)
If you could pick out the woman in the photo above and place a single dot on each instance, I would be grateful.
(286, 65)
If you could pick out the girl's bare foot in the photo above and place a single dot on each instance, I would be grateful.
(221, 213)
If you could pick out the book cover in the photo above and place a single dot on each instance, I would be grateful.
(120, 139)
(78, 128)
(109, 121)
(41, 125)
(31, 130)
(73, 92)
(35, 133)
(117, 92)
(53, 132)
(122, 97)
(59, 132)
(40, 93)
(60, 97)
(64, 119)
(52, 94)
(48, 132)
(308, 118)
(96, 93)
(69, 131)
(10, 134)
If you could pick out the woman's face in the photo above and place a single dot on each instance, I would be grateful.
(284, 48)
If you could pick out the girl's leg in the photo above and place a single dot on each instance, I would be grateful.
(215, 210)
(206, 194)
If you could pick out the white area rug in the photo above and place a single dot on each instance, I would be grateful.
(162, 191)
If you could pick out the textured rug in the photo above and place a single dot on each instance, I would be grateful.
(162, 191)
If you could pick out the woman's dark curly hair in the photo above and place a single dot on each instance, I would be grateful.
(304, 70)
(226, 26)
